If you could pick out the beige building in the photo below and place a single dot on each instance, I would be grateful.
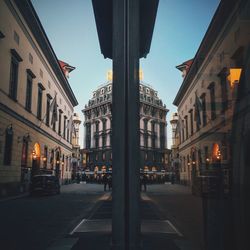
(36, 101)
(207, 97)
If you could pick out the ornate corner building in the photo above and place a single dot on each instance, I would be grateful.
(98, 129)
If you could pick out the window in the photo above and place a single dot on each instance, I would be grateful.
(24, 153)
(223, 84)
(97, 142)
(191, 122)
(64, 127)
(8, 146)
(186, 126)
(104, 122)
(162, 133)
(60, 122)
(97, 127)
(212, 100)
(104, 140)
(145, 124)
(67, 130)
(153, 135)
(28, 93)
(48, 109)
(40, 100)
(182, 130)
(204, 109)
(15, 59)
(88, 135)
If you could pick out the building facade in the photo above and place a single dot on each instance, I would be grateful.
(98, 129)
(207, 99)
(36, 101)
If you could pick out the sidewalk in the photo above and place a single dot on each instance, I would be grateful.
(14, 197)
(158, 232)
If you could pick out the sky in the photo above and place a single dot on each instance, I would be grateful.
(179, 29)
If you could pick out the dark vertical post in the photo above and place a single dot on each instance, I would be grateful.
(125, 125)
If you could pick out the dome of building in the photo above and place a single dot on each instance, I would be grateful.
(104, 94)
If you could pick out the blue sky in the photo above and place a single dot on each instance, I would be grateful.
(179, 29)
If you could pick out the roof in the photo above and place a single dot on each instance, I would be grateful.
(29, 14)
(219, 19)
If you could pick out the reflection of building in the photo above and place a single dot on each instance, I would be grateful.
(36, 101)
(75, 144)
(206, 98)
(153, 136)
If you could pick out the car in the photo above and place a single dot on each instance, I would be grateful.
(44, 184)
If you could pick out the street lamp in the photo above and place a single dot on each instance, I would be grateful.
(34, 156)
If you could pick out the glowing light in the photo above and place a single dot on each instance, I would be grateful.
(140, 75)
(234, 76)
(34, 155)
(110, 75)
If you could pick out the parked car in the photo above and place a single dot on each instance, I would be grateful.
(44, 184)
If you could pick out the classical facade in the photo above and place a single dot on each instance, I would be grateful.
(98, 132)
(207, 99)
(36, 101)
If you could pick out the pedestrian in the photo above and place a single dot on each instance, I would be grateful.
(143, 182)
(78, 178)
(105, 181)
(110, 181)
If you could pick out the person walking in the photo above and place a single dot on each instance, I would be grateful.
(110, 181)
(143, 182)
(105, 181)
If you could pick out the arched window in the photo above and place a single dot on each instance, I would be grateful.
(8, 146)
